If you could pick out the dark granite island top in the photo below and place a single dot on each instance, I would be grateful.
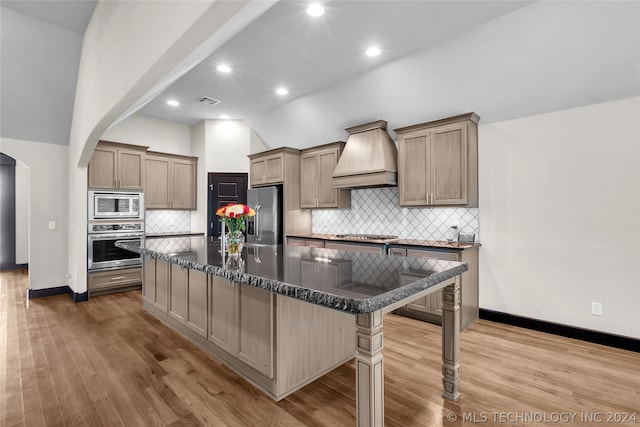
(370, 282)
(289, 314)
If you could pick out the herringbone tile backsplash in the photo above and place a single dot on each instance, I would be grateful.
(376, 211)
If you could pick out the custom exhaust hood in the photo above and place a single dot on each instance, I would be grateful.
(369, 158)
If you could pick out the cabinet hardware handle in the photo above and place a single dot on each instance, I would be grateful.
(117, 278)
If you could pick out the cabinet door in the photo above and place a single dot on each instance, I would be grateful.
(413, 168)
(223, 314)
(448, 165)
(103, 168)
(183, 185)
(149, 279)
(326, 195)
(197, 307)
(275, 169)
(130, 169)
(156, 193)
(308, 178)
(256, 329)
(258, 172)
(163, 276)
(178, 293)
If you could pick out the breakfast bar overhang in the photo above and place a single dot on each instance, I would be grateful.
(362, 285)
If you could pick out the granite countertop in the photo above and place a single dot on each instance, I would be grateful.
(405, 242)
(353, 282)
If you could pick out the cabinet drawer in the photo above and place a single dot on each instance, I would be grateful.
(420, 253)
(114, 278)
(373, 249)
(314, 243)
(295, 242)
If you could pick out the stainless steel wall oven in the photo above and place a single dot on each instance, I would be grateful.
(101, 250)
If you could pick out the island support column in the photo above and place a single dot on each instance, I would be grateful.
(369, 370)
(451, 341)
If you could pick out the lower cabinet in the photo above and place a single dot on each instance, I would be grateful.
(155, 283)
(429, 308)
(241, 323)
(109, 281)
(278, 343)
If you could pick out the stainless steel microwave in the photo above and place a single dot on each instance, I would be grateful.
(115, 205)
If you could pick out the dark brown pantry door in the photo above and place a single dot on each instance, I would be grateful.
(224, 188)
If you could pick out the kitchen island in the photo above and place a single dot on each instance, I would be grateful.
(282, 316)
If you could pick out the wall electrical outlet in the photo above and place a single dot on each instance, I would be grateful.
(596, 308)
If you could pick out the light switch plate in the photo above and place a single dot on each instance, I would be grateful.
(52, 225)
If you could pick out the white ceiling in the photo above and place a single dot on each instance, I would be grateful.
(72, 15)
(287, 47)
(501, 59)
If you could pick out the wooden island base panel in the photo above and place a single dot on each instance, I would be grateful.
(283, 324)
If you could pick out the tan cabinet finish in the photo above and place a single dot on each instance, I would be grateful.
(178, 293)
(223, 314)
(171, 181)
(429, 308)
(155, 285)
(316, 176)
(103, 282)
(268, 169)
(438, 162)
(197, 315)
(117, 166)
(255, 346)
(278, 343)
(372, 248)
(282, 166)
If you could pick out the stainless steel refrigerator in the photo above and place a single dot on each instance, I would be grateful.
(266, 226)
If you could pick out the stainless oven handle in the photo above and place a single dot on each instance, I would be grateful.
(115, 236)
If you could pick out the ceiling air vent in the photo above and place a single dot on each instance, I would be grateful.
(207, 100)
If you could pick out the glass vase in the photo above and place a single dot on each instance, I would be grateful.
(234, 243)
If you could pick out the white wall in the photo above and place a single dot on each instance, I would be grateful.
(22, 213)
(198, 149)
(228, 144)
(560, 216)
(48, 200)
(129, 50)
(158, 135)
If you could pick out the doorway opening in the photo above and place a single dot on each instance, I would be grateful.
(224, 188)
(10, 250)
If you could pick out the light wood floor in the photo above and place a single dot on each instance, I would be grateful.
(107, 363)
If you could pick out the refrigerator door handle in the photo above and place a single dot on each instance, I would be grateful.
(257, 223)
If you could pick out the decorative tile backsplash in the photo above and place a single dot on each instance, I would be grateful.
(161, 221)
(376, 211)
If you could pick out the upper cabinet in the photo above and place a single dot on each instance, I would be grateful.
(117, 166)
(316, 176)
(267, 168)
(438, 162)
(281, 167)
(170, 181)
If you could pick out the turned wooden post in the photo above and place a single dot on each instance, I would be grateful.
(369, 370)
(451, 341)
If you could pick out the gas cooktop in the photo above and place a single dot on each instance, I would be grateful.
(366, 237)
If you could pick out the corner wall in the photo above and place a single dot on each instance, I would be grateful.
(560, 216)
(48, 201)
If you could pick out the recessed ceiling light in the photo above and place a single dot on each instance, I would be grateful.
(224, 116)
(224, 68)
(173, 102)
(315, 9)
(373, 51)
(282, 91)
